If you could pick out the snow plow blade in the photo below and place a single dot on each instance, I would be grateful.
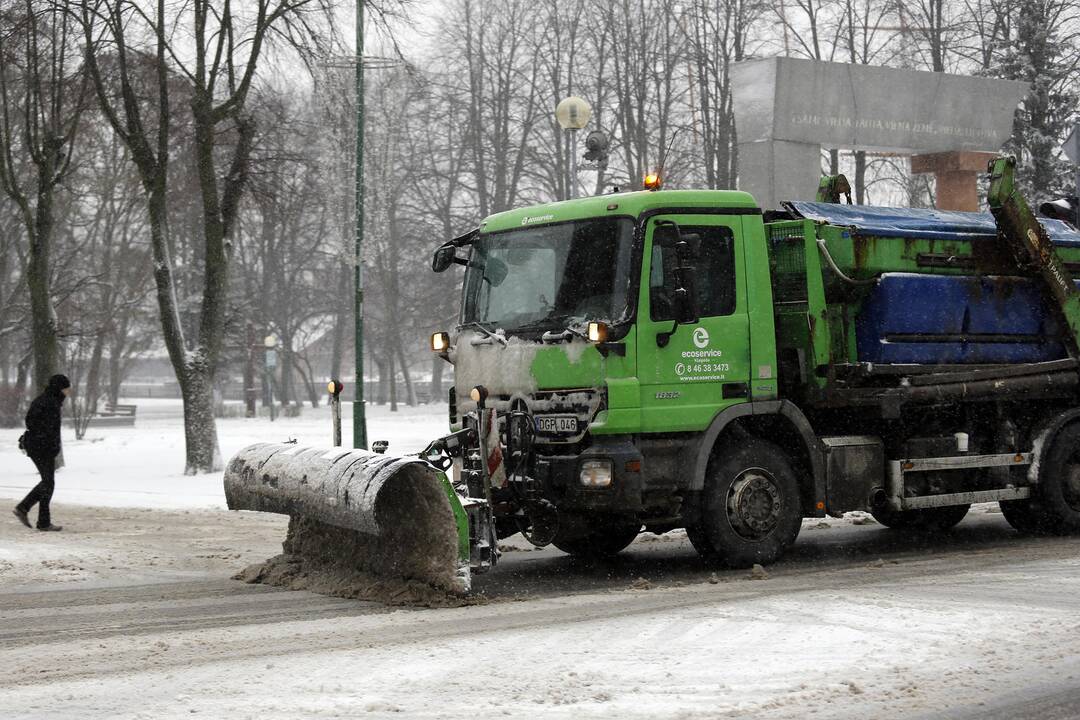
(401, 515)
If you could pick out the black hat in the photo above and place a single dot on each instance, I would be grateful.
(58, 383)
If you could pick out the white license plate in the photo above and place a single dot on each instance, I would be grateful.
(557, 424)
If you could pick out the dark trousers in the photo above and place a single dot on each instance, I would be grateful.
(42, 492)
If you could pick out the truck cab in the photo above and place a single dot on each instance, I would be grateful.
(610, 333)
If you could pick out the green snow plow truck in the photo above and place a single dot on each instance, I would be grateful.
(654, 360)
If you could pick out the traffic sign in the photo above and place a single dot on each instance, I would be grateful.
(1072, 145)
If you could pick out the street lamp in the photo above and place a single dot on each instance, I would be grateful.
(573, 113)
(359, 420)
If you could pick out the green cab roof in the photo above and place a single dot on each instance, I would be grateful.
(629, 203)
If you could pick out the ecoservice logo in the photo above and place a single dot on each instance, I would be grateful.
(701, 338)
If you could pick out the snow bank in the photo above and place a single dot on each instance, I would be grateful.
(143, 466)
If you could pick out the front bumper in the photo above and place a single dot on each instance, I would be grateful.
(559, 475)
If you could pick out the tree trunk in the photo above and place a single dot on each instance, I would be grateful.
(91, 390)
(288, 395)
(194, 371)
(11, 412)
(410, 391)
(39, 280)
(249, 371)
(860, 177)
(200, 431)
(393, 381)
(382, 391)
(437, 367)
(303, 369)
(116, 364)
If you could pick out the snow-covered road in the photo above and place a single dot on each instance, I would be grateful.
(855, 624)
(130, 612)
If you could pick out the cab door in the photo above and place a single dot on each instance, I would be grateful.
(704, 366)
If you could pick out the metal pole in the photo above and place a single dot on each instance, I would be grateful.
(573, 164)
(270, 386)
(335, 409)
(1077, 218)
(249, 373)
(359, 421)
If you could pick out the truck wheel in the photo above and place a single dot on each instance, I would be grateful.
(1024, 516)
(925, 519)
(1055, 506)
(750, 507)
(602, 543)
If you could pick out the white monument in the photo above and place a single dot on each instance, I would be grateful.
(787, 109)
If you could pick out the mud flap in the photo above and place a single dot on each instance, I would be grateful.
(405, 513)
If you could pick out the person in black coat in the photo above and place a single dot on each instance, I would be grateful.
(42, 443)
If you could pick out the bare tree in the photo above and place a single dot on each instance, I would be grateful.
(936, 31)
(15, 359)
(217, 61)
(43, 93)
(492, 43)
(719, 31)
(647, 44)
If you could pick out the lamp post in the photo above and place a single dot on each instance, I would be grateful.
(359, 420)
(360, 62)
(573, 113)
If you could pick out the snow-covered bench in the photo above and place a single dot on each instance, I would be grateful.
(114, 415)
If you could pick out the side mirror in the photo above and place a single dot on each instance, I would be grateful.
(666, 234)
(686, 310)
(688, 248)
(444, 257)
(495, 271)
(684, 296)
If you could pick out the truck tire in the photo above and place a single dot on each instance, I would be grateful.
(924, 520)
(1055, 505)
(1023, 516)
(602, 543)
(750, 507)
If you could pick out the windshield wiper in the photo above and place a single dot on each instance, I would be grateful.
(481, 327)
(560, 335)
(555, 321)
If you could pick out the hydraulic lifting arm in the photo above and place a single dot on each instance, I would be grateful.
(832, 187)
(1033, 249)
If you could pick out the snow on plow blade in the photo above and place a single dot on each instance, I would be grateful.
(404, 518)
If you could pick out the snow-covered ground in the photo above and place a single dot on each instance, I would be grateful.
(142, 466)
(130, 612)
(984, 626)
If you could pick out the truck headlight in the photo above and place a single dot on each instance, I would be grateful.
(596, 473)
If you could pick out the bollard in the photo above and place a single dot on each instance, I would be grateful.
(334, 387)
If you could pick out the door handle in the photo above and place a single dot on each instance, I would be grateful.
(734, 390)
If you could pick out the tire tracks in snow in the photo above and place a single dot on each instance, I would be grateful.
(70, 635)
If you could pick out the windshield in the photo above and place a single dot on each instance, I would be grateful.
(553, 275)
